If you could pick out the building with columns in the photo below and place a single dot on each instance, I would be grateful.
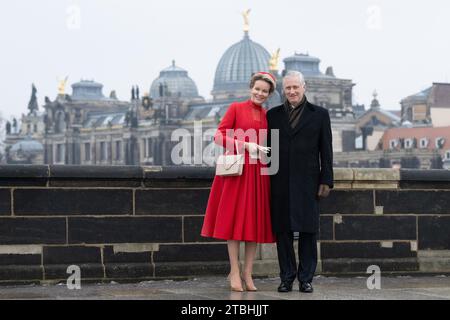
(87, 128)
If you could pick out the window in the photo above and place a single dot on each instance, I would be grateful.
(409, 143)
(60, 153)
(440, 141)
(393, 144)
(447, 155)
(102, 151)
(87, 152)
(144, 146)
(35, 128)
(28, 128)
(424, 143)
(118, 150)
(149, 148)
(109, 151)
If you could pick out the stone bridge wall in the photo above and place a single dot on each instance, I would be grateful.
(140, 223)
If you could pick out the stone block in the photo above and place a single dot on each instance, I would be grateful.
(124, 230)
(129, 270)
(73, 202)
(434, 232)
(378, 185)
(23, 175)
(414, 201)
(87, 271)
(383, 175)
(348, 202)
(171, 201)
(343, 175)
(268, 251)
(72, 255)
(191, 269)
(360, 266)
(191, 252)
(179, 176)
(118, 257)
(368, 250)
(96, 176)
(32, 231)
(326, 228)
(435, 261)
(20, 259)
(5, 202)
(376, 228)
(135, 247)
(12, 273)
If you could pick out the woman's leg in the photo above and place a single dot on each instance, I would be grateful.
(250, 253)
(235, 273)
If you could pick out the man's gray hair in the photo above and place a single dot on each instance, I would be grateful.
(295, 74)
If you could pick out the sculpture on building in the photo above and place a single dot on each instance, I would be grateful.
(274, 60)
(32, 104)
(246, 14)
(14, 125)
(62, 86)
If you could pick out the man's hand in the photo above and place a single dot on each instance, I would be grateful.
(324, 191)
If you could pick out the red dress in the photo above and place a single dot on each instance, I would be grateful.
(239, 207)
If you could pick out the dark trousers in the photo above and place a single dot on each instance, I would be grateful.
(307, 251)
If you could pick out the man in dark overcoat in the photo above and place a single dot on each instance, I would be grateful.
(304, 175)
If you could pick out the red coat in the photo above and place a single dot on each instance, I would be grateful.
(239, 207)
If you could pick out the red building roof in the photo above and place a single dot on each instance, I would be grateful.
(430, 133)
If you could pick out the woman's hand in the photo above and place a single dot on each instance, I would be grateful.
(253, 148)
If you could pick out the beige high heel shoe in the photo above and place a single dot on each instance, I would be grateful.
(234, 288)
(249, 288)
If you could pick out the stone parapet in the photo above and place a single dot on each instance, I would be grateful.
(127, 223)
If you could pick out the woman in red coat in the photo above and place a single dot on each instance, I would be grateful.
(239, 206)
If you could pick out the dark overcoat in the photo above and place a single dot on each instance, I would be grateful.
(305, 160)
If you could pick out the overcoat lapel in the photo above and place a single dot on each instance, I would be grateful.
(283, 120)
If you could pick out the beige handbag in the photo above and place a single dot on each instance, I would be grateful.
(230, 165)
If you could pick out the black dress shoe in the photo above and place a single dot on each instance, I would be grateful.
(306, 287)
(285, 287)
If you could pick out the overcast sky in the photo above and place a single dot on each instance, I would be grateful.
(397, 47)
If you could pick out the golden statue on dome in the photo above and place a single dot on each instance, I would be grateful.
(274, 59)
(62, 86)
(246, 14)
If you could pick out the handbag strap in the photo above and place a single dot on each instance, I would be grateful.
(236, 146)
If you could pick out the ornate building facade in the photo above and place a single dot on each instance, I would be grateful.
(87, 128)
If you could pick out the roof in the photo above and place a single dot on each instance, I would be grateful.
(306, 64)
(177, 82)
(87, 90)
(27, 145)
(431, 133)
(206, 111)
(238, 63)
(103, 119)
(440, 95)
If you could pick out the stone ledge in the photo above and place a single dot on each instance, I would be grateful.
(21, 249)
(136, 175)
(98, 176)
(385, 175)
(424, 175)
